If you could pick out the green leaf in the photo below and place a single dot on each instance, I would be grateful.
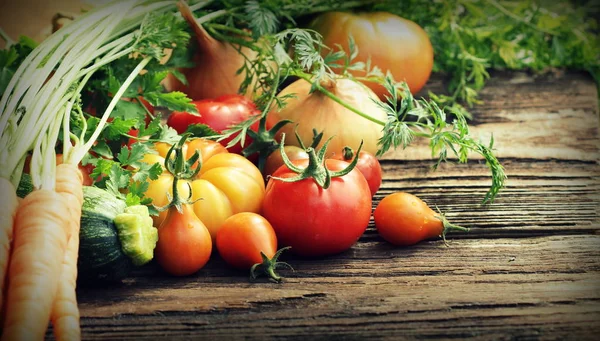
(155, 171)
(168, 135)
(175, 101)
(103, 167)
(102, 149)
(117, 178)
(132, 199)
(152, 128)
(129, 111)
(118, 127)
(201, 130)
(138, 188)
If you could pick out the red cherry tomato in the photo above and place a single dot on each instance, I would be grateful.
(220, 114)
(367, 164)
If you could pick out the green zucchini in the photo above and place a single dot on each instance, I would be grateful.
(100, 252)
(112, 237)
(137, 234)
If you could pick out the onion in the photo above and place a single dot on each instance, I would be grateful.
(216, 65)
(317, 110)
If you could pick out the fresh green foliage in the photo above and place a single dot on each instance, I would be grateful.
(430, 122)
(471, 37)
(407, 117)
(114, 75)
(11, 58)
(127, 171)
(202, 130)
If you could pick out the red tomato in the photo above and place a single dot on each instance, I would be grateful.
(367, 164)
(184, 244)
(315, 221)
(220, 114)
(390, 42)
(242, 237)
(404, 219)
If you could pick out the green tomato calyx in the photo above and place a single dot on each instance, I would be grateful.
(448, 226)
(316, 168)
(268, 266)
(181, 168)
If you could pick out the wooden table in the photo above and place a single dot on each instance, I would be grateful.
(529, 268)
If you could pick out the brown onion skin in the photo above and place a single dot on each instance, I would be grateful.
(317, 111)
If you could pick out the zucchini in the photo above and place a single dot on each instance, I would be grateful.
(100, 252)
(137, 234)
(108, 252)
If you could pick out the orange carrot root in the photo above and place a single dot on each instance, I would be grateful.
(65, 313)
(39, 244)
(8, 208)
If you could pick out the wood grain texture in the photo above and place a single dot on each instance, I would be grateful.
(528, 269)
(478, 287)
(544, 117)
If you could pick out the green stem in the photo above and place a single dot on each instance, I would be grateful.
(518, 18)
(231, 29)
(268, 266)
(6, 38)
(336, 99)
(211, 16)
(80, 153)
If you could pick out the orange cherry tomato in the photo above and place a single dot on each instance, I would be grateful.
(184, 244)
(404, 219)
(242, 238)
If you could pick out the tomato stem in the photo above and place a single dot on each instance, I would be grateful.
(448, 226)
(180, 168)
(316, 168)
(347, 153)
(336, 99)
(268, 266)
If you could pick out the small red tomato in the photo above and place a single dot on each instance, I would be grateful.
(404, 219)
(184, 244)
(220, 114)
(367, 164)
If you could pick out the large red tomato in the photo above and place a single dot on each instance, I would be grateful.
(313, 220)
(389, 41)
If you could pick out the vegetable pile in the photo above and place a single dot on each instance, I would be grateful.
(163, 130)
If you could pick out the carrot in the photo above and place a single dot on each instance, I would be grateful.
(40, 239)
(65, 313)
(8, 208)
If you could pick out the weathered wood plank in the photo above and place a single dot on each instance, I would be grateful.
(551, 196)
(543, 117)
(497, 288)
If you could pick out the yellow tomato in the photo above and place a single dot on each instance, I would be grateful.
(226, 184)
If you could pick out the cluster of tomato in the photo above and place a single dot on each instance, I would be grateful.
(245, 213)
